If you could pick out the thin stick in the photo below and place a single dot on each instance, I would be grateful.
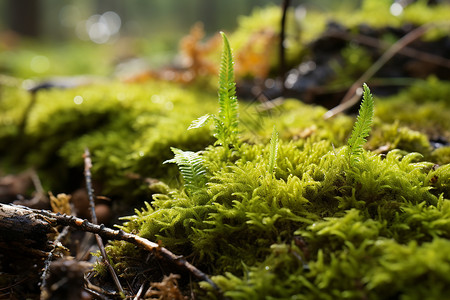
(90, 190)
(350, 97)
(138, 294)
(406, 51)
(44, 290)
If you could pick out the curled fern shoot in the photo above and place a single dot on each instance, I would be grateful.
(191, 167)
(361, 129)
(273, 150)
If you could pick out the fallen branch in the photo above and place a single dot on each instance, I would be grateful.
(42, 222)
(22, 231)
(426, 57)
(352, 96)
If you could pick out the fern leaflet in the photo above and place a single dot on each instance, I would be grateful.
(361, 129)
(273, 150)
(200, 122)
(191, 168)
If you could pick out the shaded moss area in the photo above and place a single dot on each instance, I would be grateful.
(129, 128)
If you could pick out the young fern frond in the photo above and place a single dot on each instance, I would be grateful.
(273, 150)
(191, 167)
(227, 131)
(226, 123)
(361, 129)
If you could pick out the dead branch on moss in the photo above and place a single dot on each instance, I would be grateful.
(42, 222)
(352, 96)
(377, 43)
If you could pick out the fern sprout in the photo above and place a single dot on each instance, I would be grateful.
(361, 129)
(226, 123)
(227, 130)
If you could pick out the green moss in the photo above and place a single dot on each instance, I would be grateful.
(29, 59)
(316, 226)
(302, 30)
(441, 155)
(242, 213)
(422, 107)
(129, 129)
(392, 136)
(377, 14)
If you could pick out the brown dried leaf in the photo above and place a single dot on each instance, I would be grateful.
(166, 289)
(60, 203)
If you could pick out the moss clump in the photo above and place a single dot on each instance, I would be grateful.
(325, 223)
(307, 223)
(423, 107)
(308, 23)
(247, 223)
(129, 128)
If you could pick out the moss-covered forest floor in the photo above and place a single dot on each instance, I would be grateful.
(274, 208)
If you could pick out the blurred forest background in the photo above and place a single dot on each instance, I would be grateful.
(149, 28)
(67, 19)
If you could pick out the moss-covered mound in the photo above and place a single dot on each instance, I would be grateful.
(129, 128)
(276, 214)
(316, 228)
(320, 226)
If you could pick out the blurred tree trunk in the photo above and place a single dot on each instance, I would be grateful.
(24, 17)
(207, 12)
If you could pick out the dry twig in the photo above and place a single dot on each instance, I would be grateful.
(44, 289)
(352, 97)
(90, 190)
